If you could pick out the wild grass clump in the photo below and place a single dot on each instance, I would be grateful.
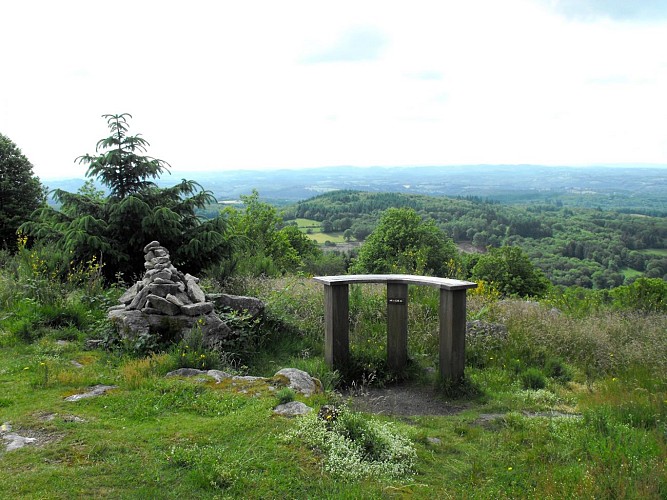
(600, 344)
(354, 446)
(136, 372)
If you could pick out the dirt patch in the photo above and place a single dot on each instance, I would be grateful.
(406, 400)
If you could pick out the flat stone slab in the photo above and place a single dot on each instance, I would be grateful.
(292, 409)
(14, 441)
(97, 390)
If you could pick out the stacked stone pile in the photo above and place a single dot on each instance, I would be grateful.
(164, 289)
(167, 300)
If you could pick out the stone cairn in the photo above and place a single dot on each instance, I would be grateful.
(166, 296)
(164, 289)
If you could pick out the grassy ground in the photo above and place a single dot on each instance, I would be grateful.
(654, 251)
(157, 437)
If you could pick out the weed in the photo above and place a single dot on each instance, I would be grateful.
(285, 395)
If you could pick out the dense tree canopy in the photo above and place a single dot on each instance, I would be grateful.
(573, 246)
(404, 242)
(136, 211)
(20, 191)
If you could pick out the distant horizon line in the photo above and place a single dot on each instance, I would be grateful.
(175, 172)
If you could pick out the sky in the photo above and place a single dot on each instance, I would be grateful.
(264, 84)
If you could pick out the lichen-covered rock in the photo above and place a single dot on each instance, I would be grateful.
(300, 381)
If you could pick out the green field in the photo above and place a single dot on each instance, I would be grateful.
(323, 237)
(654, 251)
(308, 224)
(313, 230)
(631, 273)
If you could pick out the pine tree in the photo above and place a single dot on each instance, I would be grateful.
(135, 212)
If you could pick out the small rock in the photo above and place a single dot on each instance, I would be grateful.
(129, 294)
(218, 375)
(6, 427)
(247, 378)
(292, 409)
(433, 440)
(91, 344)
(195, 293)
(186, 372)
(97, 390)
(150, 246)
(163, 305)
(14, 441)
(76, 364)
(198, 309)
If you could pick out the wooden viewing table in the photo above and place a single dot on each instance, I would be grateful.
(452, 315)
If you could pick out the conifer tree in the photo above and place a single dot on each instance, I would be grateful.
(135, 211)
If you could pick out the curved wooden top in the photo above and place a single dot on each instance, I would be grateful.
(407, 279)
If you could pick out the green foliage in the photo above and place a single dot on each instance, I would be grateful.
(510, 271)
(266, 246)
(20, 191)
(116, 228)
(285, 395)
(645, 294)
(405, 243)
(572, 246)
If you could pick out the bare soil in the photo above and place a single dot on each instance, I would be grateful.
(407, 400)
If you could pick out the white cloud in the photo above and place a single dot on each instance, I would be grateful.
(217, 85)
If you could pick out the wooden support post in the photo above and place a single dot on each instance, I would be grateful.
(397, 326)
(452, 334)
(337, 325)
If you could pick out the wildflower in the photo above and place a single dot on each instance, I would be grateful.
(509, 468)
(42, 364)
(202, 356)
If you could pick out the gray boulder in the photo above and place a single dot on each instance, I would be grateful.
(132, 324)
(300, 381)
(251, 305)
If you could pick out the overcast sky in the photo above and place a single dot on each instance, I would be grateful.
(227, 85)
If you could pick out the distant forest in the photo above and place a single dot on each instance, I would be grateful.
(591, 248)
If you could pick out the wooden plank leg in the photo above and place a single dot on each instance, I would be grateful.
(397, 326)
(452, 334)
(336, 325)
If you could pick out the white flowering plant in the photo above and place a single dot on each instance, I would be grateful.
(354, 446)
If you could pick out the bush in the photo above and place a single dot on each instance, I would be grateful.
(533, 378)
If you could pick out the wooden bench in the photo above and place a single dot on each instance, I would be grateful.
(452, 316)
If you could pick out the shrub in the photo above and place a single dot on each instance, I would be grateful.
(533, 378)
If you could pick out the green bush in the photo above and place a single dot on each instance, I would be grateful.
(533, 378)
(557, 369)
